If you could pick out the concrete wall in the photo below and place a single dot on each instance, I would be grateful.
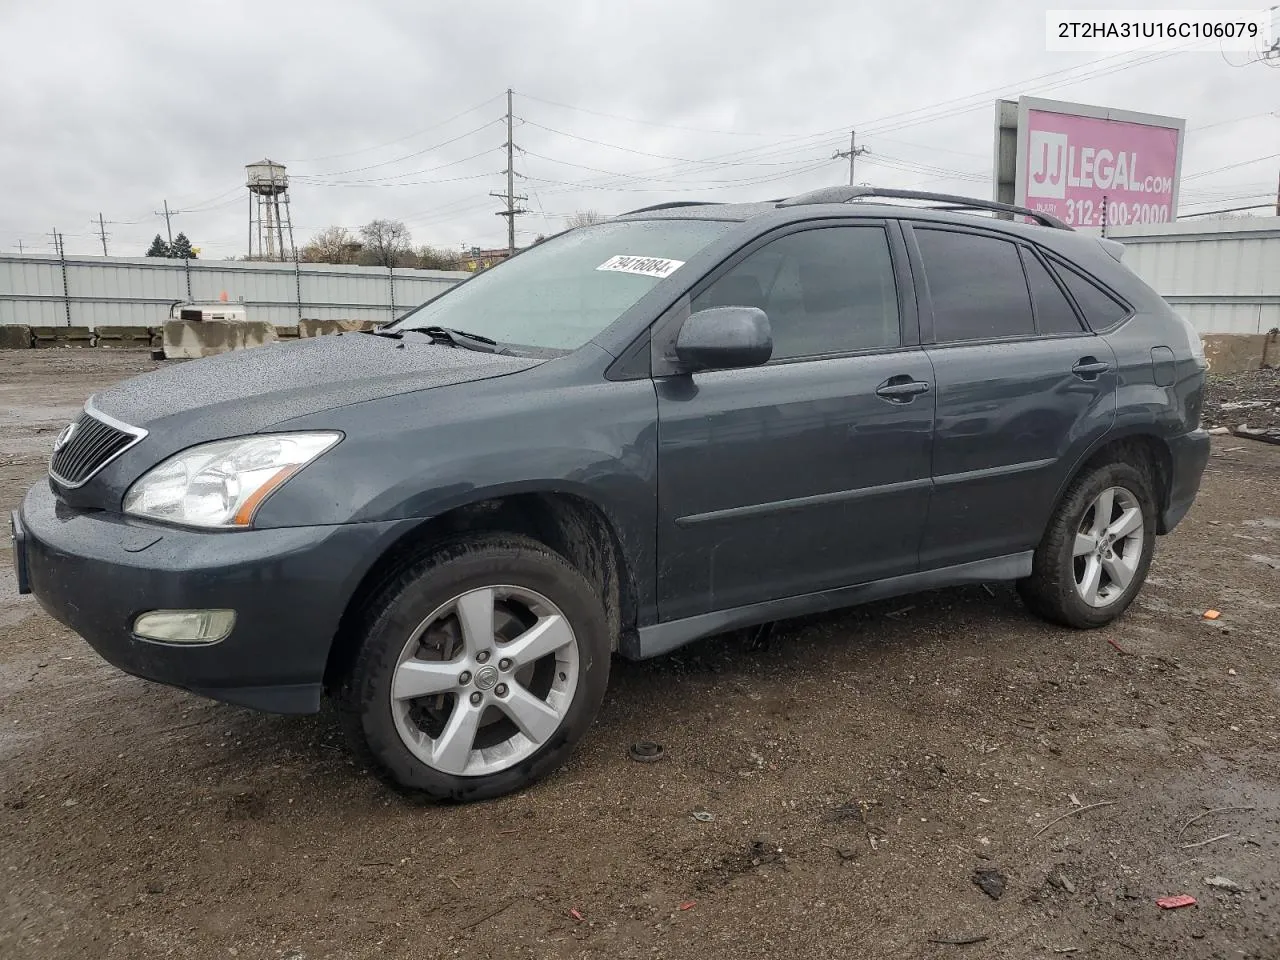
(117, 291)
(1241, 352)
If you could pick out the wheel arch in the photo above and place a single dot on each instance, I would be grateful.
(570, 523)
(1142, 449)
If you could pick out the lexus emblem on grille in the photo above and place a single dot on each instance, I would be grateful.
(64, 437)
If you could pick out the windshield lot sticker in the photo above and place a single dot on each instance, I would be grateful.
(659, 267)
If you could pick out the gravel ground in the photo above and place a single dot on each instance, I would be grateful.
(1244, 399)
(860, 768)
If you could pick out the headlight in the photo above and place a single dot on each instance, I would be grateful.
(222, 484)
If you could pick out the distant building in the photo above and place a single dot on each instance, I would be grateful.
(476, 258)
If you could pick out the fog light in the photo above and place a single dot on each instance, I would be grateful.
(185, 626)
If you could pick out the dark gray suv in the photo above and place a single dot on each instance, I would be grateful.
(687, 419)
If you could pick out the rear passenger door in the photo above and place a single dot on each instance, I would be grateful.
(1022, 390)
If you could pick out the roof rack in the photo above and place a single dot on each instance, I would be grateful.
(953, 201)
(672, 205)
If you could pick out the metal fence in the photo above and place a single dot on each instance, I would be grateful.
(119, 291)
(1222, 275)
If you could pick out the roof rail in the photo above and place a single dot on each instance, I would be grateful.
(672, 205)
(954, 201)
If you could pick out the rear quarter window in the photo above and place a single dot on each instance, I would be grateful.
(1100, 308)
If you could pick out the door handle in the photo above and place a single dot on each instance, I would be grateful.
(901, 389)
(1088, 368)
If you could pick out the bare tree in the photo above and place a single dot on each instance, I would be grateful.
(387, 243)
(331, 245)
(584, 218)
(436, 258)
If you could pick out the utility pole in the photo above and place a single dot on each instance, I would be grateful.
(102, 232)
(19, 248)
(1278, 195)
(852, 153)
(510, 196)
(167, 213)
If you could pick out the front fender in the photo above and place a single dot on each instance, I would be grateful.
(420, 457)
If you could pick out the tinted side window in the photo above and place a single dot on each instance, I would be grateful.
(976, 285)
(825, 291)
(1054, 313)
(1099, 307)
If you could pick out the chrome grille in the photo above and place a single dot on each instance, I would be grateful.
(92, 445)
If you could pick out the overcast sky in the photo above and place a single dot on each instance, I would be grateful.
(392, 108)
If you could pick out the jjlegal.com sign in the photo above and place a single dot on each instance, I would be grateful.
(1077, 165)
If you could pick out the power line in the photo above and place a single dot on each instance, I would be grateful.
(785, 152)
(398, 183)
(409, 156)
(1230, 166)
(926, 115)
(747, 181)
(641, 153)
(318, 178)
(1210, 213)
(640, 176)
(389, 143)
(1239, 196)
(682, 167)
(647, 123)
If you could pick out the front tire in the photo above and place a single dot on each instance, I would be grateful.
(481, 666)
(1097, 549)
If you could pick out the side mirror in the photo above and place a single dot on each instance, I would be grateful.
(724, 338)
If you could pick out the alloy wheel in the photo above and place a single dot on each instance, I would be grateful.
(485, 680)
(1108, 547)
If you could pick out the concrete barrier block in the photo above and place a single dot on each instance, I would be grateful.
(254, 334)
(288, 332)
(320, 328)
(46, 337)
(15, 336)
(193, 339)
(124, 338)
(1240, 352)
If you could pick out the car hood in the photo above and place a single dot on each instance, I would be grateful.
(247, 391)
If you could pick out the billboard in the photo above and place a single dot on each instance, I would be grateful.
(1092, 167)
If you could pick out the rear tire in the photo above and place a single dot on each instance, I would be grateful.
(1094, 556)
(480, 667)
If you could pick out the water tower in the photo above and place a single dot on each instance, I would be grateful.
(269, 220)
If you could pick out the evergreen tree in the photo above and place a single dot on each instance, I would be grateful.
(158, 248)
(181, 249)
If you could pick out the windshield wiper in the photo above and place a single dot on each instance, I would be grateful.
(454, 338)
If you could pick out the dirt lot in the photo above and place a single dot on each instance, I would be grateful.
(859, 769)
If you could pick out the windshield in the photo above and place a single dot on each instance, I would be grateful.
(561, 293)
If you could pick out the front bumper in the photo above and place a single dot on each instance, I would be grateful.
(96, 571)
(1188, 455)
